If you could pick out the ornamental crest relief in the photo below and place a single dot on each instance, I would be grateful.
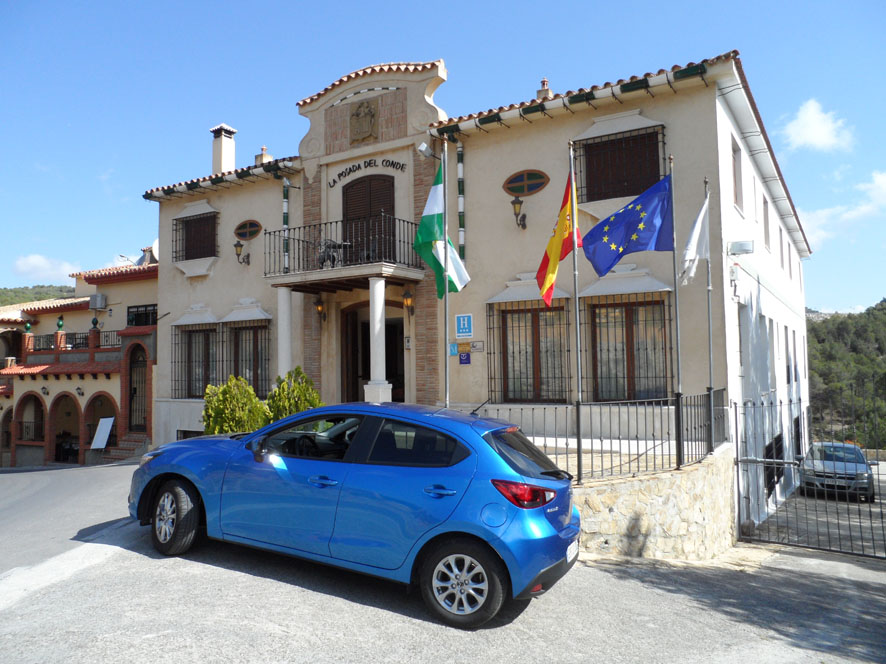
(364, 121)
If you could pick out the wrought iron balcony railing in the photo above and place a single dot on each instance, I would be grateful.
(379, 238)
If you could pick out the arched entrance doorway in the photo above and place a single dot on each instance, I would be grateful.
(355, 351)
(65, 430)
(6, 438)
(138, 393)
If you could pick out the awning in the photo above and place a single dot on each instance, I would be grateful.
(197, 314)
(523, 289)
(625, 280)
(248, 309)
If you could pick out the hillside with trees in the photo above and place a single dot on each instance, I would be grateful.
(33, 293)
(847, 375)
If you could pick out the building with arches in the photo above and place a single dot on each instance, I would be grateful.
(72, 363)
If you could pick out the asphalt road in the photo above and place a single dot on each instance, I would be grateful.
(97, 591)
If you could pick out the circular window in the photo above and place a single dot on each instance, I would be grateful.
(246, 230)
(526, 183)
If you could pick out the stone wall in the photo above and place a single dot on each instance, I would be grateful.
(687, 514)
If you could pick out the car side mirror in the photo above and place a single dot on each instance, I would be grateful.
(799, 458)
(259, 449)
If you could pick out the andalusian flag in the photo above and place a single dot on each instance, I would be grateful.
(559, 246)
(429, 241)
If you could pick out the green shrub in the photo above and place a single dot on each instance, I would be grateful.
(292, 394)
(233, 407)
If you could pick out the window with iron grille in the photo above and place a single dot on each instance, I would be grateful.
(528, 356)
(619, 165)
(143, 314)
(194, 360)
(207, 354)
(247, 354)
(194, 237)
(628, 347)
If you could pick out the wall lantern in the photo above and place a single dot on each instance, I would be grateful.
(517, 204)
(45, 390)
(60, 323)
(407, 302)
(238, 249)
(79, 391)
(321, 310)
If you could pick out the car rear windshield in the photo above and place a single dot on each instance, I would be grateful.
(522, 455)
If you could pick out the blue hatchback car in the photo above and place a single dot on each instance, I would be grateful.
(466, 508)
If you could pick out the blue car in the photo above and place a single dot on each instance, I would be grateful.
(466, 508)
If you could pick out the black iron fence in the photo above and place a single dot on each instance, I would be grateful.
(109, 339)
(622, 438)
(44, 342)
(77, 340)
(30, 430)
(811, 475)
(379, 238)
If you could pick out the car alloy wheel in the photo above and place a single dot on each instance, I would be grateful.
(460, 584)
(164, 518)
(463, 583)
(175, 518)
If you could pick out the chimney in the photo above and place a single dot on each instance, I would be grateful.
(223, 148)
(263, 157)
(544, 92)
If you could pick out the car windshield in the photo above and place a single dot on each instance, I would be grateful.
(836, 453)
(522, 455)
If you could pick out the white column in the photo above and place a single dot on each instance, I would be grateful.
(378, 388)
(284, 330)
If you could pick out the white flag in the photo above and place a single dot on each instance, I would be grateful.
(697, 246)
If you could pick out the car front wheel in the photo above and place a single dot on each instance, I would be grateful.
(462, 583)
(175, 518)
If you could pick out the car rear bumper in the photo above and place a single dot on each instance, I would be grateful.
(545, 579)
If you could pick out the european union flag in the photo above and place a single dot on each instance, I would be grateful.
(645, 224)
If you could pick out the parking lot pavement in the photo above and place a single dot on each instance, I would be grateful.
(114, 598)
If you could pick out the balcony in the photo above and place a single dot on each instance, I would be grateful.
(340, 255)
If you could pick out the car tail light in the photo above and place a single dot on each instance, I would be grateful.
(524, 495)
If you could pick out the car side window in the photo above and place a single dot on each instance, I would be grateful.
(404, 444)
(327, 438)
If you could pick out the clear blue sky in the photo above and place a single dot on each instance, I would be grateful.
(101, 101)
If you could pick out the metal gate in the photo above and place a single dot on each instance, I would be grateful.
(823, 494)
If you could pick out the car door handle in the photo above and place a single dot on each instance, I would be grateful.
(321, 480)
(438, 491)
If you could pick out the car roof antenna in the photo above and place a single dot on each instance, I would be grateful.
(474, 412)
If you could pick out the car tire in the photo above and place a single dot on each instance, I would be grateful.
(175, 518)
(463, 583)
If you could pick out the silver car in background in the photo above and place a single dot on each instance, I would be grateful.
(839, 468)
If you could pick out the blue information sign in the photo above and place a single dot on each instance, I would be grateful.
(464, 326)
(464, 358)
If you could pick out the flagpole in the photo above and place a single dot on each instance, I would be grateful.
(710, 441)
(446, 269)
(574, 213)
(678, 393)
(679, 389)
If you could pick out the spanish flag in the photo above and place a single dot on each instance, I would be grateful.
(559, 246)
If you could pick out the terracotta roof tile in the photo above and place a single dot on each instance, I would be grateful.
(730, 55)
(117, 273)
(61, 304)
(220, 177)
(406, 67)
(61, 368)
